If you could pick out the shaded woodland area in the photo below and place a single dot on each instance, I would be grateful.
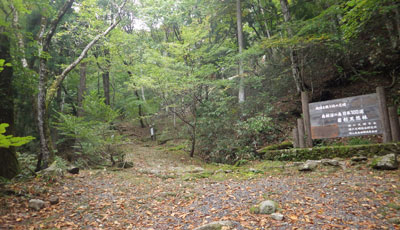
(167, 106)
(223, 75)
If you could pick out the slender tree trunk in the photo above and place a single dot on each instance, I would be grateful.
(9, 166)
(241, 46)
(106, 87)
(82, 87)
(194, 111)
(143, 96)
(193, 147)
(18, 35)
(45, 147)
(140, 110)
(298, 79)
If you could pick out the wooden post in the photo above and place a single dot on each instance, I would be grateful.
(387, 135)
(394, 123)
(300, 128)
(306, 116)
(295, 138)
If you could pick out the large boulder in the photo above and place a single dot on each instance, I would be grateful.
(265, 207)
(309, 165)
(218, 225)
(268, 207)
(54, 200)
(387, 162)
(52, 171)
(36, 204)
(330, 162)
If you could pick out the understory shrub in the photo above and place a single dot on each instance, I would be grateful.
(227, 137)
(95, 140)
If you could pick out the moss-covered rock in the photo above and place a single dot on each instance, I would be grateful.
(283, 145)
(387, 162)
(318, 153)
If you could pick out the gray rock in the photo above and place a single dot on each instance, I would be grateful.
(330, 162)
(54, 200)
(394, 220)
(218, 225)
(53, 171)
(309, 165)
(73, 170)
(277, 216)
(219, 171)
(359, 158)
(387, 162)
(267, 207)
(196, 170)
(253, 170)
(36, 204)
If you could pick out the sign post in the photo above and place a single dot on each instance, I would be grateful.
(387, 136)
(346, 117)
(306, 117)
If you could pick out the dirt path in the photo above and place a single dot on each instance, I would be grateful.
(170, 191)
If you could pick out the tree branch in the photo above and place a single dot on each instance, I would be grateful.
(53, 25)
(54, 86)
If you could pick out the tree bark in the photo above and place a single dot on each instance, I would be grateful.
(241, 46)
(106, 87)
(298, 79)
(82, 87)
(9, 166)
(194, 126)
(18, 35)
(45, 147)
(140, 110)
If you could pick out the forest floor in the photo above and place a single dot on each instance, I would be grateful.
(168, 190)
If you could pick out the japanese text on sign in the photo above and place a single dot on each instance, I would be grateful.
(352, 116)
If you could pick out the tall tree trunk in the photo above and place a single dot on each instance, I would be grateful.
(106, 77)
(44, 134)
(241, 46)
(9, 166)
(82, 87)
(18, 35)
(194, 125)
(140, 110)
(143, 96)
(106, 87)
(298, 79)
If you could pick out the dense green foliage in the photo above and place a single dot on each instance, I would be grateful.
(173, 65)
(8, 140)
(93, 137)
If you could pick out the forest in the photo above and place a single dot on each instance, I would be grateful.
(88, 83)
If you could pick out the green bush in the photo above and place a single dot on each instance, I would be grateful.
(358, 141)
(226, 135)
(95, 139)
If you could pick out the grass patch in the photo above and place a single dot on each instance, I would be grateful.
(394, 206)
